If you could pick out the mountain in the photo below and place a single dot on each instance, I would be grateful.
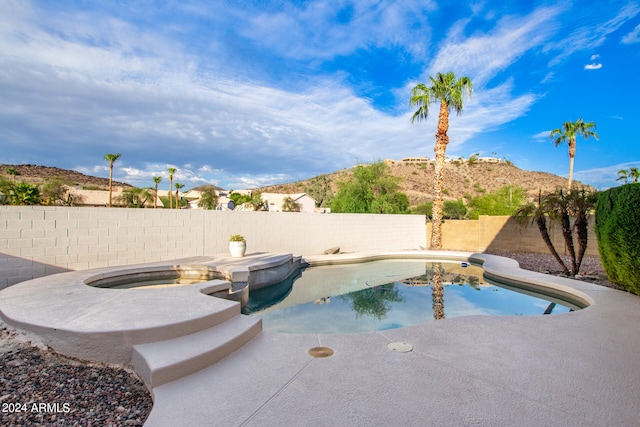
(470, 177)
(39, 174)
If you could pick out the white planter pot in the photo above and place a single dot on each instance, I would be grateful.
(237, 249)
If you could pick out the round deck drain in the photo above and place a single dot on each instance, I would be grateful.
(401, 347)
(320, 352)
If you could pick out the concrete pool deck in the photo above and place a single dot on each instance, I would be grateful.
(573, 369)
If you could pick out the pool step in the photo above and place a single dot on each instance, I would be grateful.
(164, 361)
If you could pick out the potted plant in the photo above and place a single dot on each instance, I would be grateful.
(237, 246)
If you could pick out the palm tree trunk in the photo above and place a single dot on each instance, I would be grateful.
(170, 192)
(565, 221)
(110, 182)
(541, 222)
(572, 155)
(438, 180)
(582, 227)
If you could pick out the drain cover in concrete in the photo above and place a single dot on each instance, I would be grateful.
(320, 352)
(401, 347)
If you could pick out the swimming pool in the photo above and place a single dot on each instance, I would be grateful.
(387, 294)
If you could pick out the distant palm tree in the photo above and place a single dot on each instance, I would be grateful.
(450, 92)
(568, 133)
(634, 173)
(111, 158)
(623, 174)
(156, 180)
(178, 187)
(290, 205)
(171, 172)
(135, 197)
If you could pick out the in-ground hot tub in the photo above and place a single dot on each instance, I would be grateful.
(83, 313)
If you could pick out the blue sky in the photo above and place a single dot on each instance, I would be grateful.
(248, 93)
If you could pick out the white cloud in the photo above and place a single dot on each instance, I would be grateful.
(593, 66)
(542, 135)
(482, 56)
(589, 37)
(632, 37)
(603, 178)
(594, 57)
(325, 29)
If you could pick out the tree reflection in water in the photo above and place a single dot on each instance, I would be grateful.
(374, 302)
(437, 291)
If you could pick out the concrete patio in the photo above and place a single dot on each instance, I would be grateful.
(571, 369)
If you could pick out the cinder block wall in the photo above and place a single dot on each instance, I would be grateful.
(502, 233)
(37, 241)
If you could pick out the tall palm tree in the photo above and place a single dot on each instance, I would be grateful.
(111, 158)
(450, 92)
(178, 187)
(156, 180)
(634, 173)
(171, 172)
(568, 133)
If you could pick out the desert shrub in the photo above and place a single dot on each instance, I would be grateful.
(320, 189)
(617, 229)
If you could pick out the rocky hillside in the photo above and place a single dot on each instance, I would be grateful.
(416, 179)
(461, 177)
(39, 174)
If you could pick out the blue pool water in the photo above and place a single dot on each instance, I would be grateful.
(386, 294)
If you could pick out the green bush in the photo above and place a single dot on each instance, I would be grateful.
(503, 201)
(454, 209)
(617, 229)
(371, 189)
(424, 208)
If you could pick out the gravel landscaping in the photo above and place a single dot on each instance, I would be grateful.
(41, 387)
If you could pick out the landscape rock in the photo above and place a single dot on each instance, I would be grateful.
(332, 251)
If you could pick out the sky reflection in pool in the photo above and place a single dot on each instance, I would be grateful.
(381, 295)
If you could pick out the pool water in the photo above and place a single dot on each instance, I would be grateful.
(387, 294)
(158, 283)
